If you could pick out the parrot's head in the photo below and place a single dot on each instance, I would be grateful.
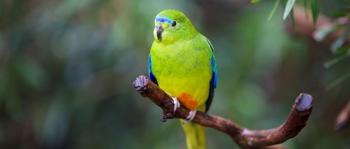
(172, 25)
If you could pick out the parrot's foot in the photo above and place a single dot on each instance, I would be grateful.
(169, 114)
(191, 115)
(176, 104)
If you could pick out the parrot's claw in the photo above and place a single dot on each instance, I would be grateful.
(191, 115)
(176, 104)
(168, 114)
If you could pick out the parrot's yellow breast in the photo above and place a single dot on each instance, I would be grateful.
(183, 70)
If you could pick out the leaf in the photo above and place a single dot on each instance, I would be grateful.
(273, 9)
(255, 1)
(321, 33)
(343, 51)
(305, 6)
(315, 10)
(292, 20)
(340, 40)
(337, 44)
(288, 8)
(336, 60)
(338, 81)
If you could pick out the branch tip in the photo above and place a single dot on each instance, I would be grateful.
(304, 102)
(140, 82)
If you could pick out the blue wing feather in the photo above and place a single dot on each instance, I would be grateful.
(150, 74)
(214, 79)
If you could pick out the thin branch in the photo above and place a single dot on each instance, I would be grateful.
(244, 137)
(343, 119)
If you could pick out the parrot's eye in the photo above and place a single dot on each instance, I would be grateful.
(173, 24)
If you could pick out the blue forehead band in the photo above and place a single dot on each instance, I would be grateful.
(162, 19)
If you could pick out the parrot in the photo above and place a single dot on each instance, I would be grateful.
(182, 63)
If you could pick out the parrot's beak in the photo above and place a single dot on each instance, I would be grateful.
(159, 30)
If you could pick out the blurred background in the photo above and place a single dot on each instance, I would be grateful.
(67, 67)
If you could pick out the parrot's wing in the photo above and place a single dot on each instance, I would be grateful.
(150, 74)
(214, 78)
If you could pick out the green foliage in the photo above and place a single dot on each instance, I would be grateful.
(275, 6)
(255, 1)
(342, 53)
(339, 42)
(338, 58)
(288, 8)
(314, 10)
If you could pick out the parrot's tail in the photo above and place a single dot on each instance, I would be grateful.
(195, 135)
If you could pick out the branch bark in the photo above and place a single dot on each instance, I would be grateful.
(244, 137)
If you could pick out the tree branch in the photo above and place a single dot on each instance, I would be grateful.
(244, 137)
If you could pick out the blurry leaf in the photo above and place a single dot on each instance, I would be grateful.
(13, 105)
(338, 81)
(315, 10)
(340, 40)
(255, 1)
(55, 124)
(305, 6)
(337, 44)
(336, 60)
(3, 83)
(31, 74)
(275, 6)
(322, 32)
(288, 8)
(343, 51)
(292, 20)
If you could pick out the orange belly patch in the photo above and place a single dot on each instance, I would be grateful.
(187, 100)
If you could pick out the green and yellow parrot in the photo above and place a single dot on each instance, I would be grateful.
(182, 63)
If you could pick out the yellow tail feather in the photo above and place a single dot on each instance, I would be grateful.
(195, 135)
